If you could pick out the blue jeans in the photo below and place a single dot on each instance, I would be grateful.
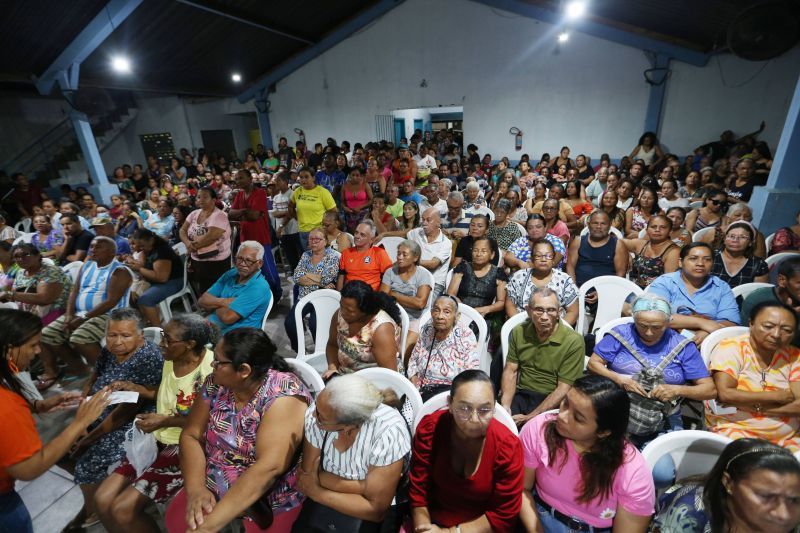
(551, 524)
(270, 272)
(14, 516)
(304, 240)
(158, 292)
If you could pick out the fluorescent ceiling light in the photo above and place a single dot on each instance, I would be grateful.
(121, 64)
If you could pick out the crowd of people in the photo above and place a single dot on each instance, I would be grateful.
(439, 249)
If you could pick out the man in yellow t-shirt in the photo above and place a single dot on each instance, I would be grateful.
(308, 205)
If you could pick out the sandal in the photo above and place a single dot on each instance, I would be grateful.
(42, 384)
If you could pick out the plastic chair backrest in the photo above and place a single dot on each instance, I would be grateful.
(439, 402)
(768, 242)
(383, 378)
(777, 258)
(325, 303)
(469, 315)
(24, 225)
(390, 244)
(694, 452)
(307, 375)
(153, 335)
(432, 282)
(696, 205)
(266, 315)
(745, 289)
(611, 294)
(448, 279)
(713, 339)
(404, 327)
(505, 332)
(600, 332)
(617, 233)
(73, 269)
(699, 234)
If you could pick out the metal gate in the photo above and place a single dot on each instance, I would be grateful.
(384, 127)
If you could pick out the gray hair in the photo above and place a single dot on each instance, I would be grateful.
(647, 302)
(544, 292)
(371, 224)
(504, 204)
(457, 196)
(317, 230)
(472, 186)
(352, 398)
(122, 314)
(196, 328)
(253, 245)
(447, 182)
(413, 247)
(109, 240)
(741, 206)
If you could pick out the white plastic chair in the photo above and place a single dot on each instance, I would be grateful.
(186, 295)
(266, 314)
(745, 289)
(696, 205)
(469, 315)
(611, 294)
(600, 332)
(439, 402)
(390, 244)
(777, 258)
(73, 269)
(505, 332)
(612, 229)
(699, 234)
(307, 375)
(448, 279)
(694, 452)
(383, 378)
(153, 335)
(432, 282)
(713, 339)
(24, 238)
(404, 327)
(768, 241)
(325, 303)
(23, 226)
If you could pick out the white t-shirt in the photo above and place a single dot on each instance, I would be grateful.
(665, 204)
(441, 248)
(424, 165)
(441, 205)
(280, 202)
(382, 440)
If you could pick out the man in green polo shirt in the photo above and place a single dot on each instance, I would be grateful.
(544, 359)
(786, 290)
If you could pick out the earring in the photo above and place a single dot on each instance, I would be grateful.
(13, 367)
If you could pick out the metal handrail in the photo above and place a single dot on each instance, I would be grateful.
(39, 147)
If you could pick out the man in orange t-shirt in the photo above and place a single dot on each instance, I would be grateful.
(363, 261)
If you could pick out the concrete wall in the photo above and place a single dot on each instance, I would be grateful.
(506, 71)
(25, 117)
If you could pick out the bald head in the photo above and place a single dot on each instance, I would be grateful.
(431, 221)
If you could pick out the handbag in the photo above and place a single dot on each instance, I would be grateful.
(648, 415)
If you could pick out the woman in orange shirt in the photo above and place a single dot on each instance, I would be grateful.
(22, 455)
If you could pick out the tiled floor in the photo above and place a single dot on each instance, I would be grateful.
(53, 499)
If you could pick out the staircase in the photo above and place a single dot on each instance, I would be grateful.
(55, 158)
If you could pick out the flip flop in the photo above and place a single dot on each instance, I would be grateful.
(44, 384)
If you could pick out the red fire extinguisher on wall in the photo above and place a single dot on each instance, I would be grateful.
(517, 138)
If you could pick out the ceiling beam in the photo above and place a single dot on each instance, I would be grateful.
(244, 20)
(336, 36)
(87, 41)
(601, 31)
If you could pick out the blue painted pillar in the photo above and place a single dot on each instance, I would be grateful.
(776, 205)
(86, 140)
(262, 113)
(655, 102)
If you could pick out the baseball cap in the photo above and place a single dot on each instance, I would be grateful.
(100, 221)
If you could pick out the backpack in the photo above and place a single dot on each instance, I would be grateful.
(649, 415)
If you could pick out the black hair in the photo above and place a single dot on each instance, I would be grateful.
(545, 242)
(253, 347)
(210, 190)
(6, 246)
(648, 134)
(739, 459)
(789, 268)
(70, 216)
(678, 208)
(16, 328)
(147, 235)
(534, 216)
(26, 247)
(665, 217)
(761, 306)
(370, 301)
(470, 376)
(763, 149)
(196, 328)
(741, 224)
(482, 216)
(599, 464)
(692, 245)
(184, 209)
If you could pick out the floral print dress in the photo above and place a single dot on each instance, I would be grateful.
(355, 351)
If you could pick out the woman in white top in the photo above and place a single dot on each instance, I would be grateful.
(353, 454)
(669, 196)
(648, 150)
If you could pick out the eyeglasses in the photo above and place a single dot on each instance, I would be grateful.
(465, 412)
(216, 363)
(245, 261)
(315, 239)
(543, 310)
(738, 237)
(166, 341)
(543, 256)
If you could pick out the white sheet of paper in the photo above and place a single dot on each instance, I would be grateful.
(122, 396)
(720, 410)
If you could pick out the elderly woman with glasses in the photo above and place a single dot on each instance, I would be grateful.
(353, 454)
(123, 496)
(38, 288)
(466, 467)
(240, 444)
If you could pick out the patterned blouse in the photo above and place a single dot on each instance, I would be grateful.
(504, 236)
(681, 509)
(46, 274)
(231, 436)
(45, 243)
(736, 358)
(754, 267)
(521, 249)
(355, 352)
(437, 362)
(327, 267)
(639, 221)
(786, 240)
(520, 289)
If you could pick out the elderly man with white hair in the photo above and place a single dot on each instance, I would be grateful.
(455, 223)
(241, 296)
(436, 248)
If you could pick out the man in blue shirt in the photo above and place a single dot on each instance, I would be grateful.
(409, 194)
(330, 177)
(701, 303)
(241, 296)
(104, 227)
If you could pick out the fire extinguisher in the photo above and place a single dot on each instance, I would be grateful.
(517, 138)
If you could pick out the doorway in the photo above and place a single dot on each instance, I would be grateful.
(219, 141)
(399, 130)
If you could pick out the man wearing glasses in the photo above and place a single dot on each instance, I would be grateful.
(544, 358)
(240, 297)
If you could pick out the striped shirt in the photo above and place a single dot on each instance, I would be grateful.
(381, 441)
(94, 286)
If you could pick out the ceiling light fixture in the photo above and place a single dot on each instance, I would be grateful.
(563, 37)
(575, 9)
(121, 64)
(236, 77)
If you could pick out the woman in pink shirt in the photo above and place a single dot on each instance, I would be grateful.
(580, 470)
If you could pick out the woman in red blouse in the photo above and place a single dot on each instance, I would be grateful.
(466, 468)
